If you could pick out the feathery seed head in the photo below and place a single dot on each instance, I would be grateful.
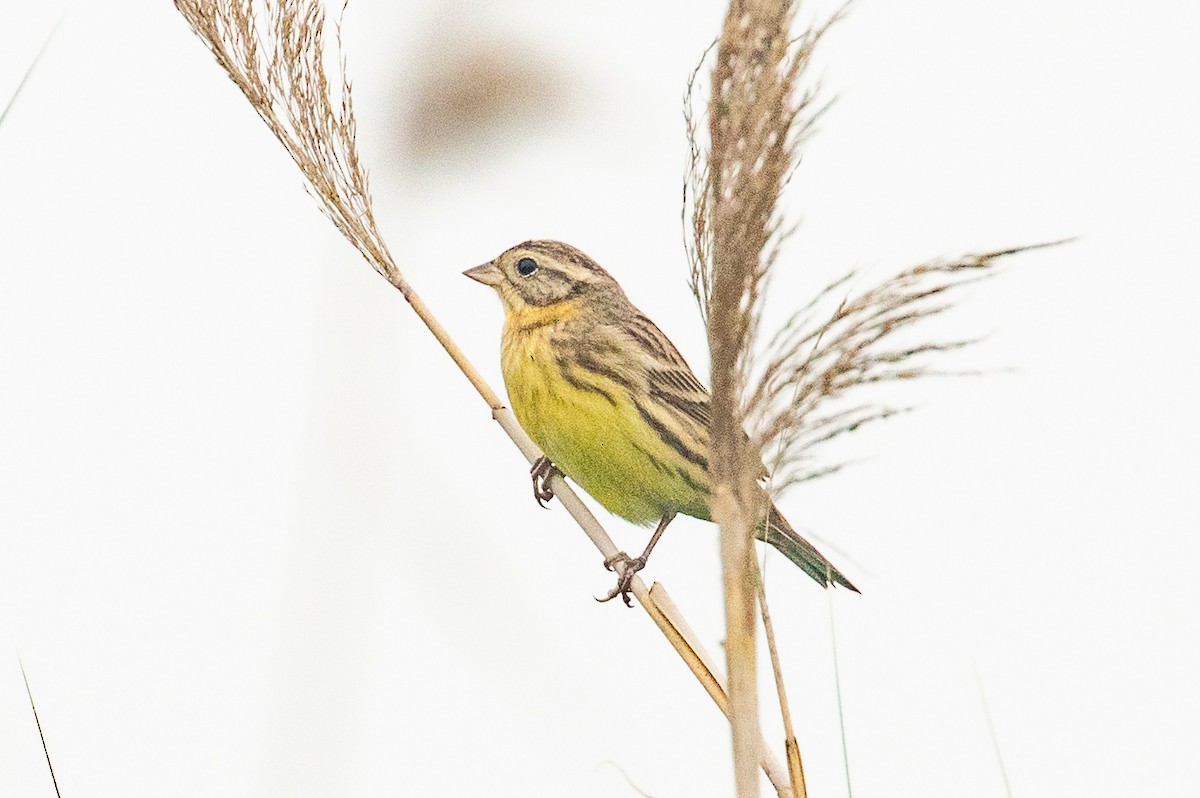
(543, 273)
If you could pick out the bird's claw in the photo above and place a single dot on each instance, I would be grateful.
(630, 567)
(542, 472)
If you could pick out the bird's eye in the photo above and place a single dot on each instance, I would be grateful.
(526, 266)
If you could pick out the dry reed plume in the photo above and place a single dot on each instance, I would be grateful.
(806, 393)
(750, 121)
(756, 121)
(799, 394)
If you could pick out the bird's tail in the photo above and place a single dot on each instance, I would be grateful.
(779, 533)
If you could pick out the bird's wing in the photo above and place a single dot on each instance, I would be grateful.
(684, 400)
(672, 383)
(670, 380)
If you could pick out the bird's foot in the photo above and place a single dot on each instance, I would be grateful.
(629, 569)
(542, 472)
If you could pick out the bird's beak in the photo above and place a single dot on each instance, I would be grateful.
(488, 274)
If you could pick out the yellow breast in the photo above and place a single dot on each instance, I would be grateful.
(589, 426)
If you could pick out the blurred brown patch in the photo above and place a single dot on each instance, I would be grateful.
(483, 97)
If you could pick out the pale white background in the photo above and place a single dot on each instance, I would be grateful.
(258, 537)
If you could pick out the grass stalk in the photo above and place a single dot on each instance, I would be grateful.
(791, 747)
(41, 734)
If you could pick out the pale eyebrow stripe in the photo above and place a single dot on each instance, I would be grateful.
(565, 253)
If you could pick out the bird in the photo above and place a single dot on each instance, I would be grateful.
(611, 402)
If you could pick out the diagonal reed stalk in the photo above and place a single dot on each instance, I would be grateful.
(41, 734)
(791, 746)
(32, 66)
(274, 51)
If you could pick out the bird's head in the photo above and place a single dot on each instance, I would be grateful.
(542, 274)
